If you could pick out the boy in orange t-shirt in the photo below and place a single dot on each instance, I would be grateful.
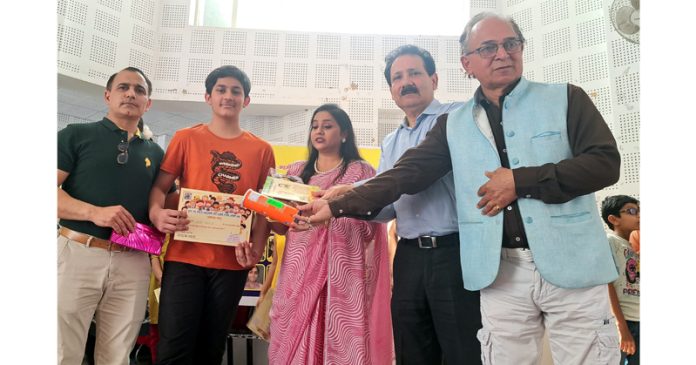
(203, 283)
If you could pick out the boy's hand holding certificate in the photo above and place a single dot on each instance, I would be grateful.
(215, 217)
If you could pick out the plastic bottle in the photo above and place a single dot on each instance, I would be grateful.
(269, 207)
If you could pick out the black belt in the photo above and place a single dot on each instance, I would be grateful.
(449, 240)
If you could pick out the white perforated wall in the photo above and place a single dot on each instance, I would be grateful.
(326, 77)
(141, 60)
(568, 41)
(586, 6)
(68, 66)
(591, 32)
(143, 37)
(106, 23)
(264, 73)
(266, 44)
(361, 110)
(171, 43)
(556, 42)
(624, 53)
(529, 50)
(234, 43)
(553, 11)
(98, 76)
(361, 48)
(593, 67)
(198, 69)
(431, 44)
(103, 51)
(238, 63)
(143, 10)
(167, 69)
(361, 77)
(629, 124)
(98, 37)
(295, 74)
(602, 100)
(297, 45)
(76, 11)
(561, 71)
(328, 46)
(627, 88)
(70, 40)
(458, 82)
(389, 120)
(111, 4)
(202, 42)
(452, 50)
(174, 16)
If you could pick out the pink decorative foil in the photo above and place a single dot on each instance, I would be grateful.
(145, 238)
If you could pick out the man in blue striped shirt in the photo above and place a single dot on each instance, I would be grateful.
(433, 316)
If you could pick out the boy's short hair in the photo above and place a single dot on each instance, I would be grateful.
(228, 71)
(612, 205)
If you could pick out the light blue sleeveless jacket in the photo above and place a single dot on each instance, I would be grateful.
(567, 240)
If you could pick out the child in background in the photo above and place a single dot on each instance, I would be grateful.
(621, 213)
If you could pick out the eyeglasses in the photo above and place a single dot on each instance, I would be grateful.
(510, 46)
(122, 157)
(630, 211)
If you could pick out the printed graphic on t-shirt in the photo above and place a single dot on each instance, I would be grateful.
(225, 168)
(632, 272)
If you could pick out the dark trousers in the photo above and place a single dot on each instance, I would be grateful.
(196, 307)
(634, 328)
(434, 318)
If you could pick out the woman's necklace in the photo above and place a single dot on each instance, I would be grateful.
(316, 168)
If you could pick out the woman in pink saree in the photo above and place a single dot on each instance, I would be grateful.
(331, 305)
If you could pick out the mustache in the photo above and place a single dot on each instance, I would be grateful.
(409, 89)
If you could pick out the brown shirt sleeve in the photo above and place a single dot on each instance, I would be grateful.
(417, 169)
(595, 163)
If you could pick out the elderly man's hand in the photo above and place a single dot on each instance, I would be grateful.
(317, 212)
(498, 192)
(332, 192)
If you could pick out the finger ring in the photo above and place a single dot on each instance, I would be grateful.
(496, 207)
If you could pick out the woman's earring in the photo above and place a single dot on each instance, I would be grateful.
(343, 140)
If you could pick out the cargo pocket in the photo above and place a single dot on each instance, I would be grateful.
(484, 337)
(607, 344)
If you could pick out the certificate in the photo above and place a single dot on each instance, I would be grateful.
(285, 189)
(216, 218)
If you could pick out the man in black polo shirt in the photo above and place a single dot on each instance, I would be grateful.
(105, 172)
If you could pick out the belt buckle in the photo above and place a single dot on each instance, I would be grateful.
(431, 242)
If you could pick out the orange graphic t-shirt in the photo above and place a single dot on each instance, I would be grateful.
(205, 161)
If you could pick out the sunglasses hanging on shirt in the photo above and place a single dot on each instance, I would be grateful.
(122, 157)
